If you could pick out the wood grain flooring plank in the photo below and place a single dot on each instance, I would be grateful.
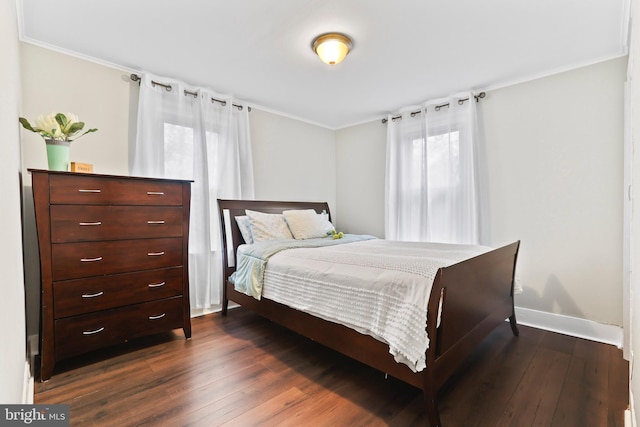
(235, 404)
(479, 394)
(534, 401)
(558, 342)
(412, 414)
(272, 412)
(583, 401)
(178, 409)
(366, 397)
(618, 381)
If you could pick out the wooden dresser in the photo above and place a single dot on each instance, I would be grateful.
(113, 260)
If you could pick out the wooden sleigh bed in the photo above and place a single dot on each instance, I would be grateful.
(470, 298)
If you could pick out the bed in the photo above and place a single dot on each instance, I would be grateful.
(467, 300)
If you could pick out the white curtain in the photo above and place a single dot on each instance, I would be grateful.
(431, 173)
(184, 133)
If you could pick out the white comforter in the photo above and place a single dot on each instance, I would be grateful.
(377, 287)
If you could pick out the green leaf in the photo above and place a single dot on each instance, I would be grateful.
(62, 120)
(74, 128)
(89, 131)
(25, 124)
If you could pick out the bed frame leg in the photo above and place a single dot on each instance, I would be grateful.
(514, 325)
(225, 299)
(431, 403)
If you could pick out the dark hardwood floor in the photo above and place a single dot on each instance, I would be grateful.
(242, 370)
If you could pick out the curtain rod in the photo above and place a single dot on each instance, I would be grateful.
(437, 107)
(137, 78)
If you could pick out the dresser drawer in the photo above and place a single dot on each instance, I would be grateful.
(80, 296)
(76, 223)
(79, 334)
(72, 190)
(76, 260)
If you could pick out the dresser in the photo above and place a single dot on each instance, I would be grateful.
(113, 260)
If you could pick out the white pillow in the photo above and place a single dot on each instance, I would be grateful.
(245, 228)
(268, 226)
(304, 223)
(326, 224)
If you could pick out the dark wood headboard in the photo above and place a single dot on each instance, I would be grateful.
(229, 209)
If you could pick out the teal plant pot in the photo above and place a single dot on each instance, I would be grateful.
(58, 154)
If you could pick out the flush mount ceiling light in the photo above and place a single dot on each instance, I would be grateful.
(332, 47)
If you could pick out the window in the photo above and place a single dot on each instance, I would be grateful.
(431, 190)
(178, 151)
(178, 160)
(179, 136)
(436, 161)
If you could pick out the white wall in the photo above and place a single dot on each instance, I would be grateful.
(12, 311)
(554, 156)
(360, 162)
(292, 160)
(555, 151)
(99, 95)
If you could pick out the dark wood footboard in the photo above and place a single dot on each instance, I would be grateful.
(472, 297)
(477, 295)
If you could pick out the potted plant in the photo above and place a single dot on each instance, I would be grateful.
(57, 129)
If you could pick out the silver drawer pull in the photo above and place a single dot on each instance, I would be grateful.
(160, 316)
(155, 222)
(155, 253)
(90, 223)
(93, 295)
(156, 285)
(91, 259)
(155, 193)
(89, 191)
(93, 332)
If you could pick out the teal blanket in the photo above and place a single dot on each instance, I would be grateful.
(252, 259)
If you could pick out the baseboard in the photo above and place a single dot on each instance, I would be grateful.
(197, 312)
(28, 389)
(630, 414)
(572, 326)
(28, 386)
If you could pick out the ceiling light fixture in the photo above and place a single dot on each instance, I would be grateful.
(332, 47)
